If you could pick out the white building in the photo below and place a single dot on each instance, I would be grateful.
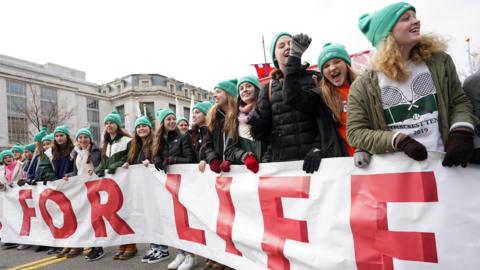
(27, 87)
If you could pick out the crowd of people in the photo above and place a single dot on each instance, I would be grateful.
(410, 100)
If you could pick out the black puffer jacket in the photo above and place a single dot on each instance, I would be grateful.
(293, 133)
(176, 147)
(199, 140)
(307, 99)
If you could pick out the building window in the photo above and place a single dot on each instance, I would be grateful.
(48, 106)
(16, 106)
(121, 110)
(186, 112)
(145, 84)
(172, 88)
(93, 118)
(172, 107)
(186, 92)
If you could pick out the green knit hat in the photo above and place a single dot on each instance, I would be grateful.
(39, 136)
(6, 152)
(17, 148)
(50, 137)
(62, 129)
(274, 44)
(179, 119)
(251, 79)
(377, 25)
(162, 113)
(30, 147)
(229, 86)
(143, 120)
(204, 106)
(84, 131)
(114, 117)
(331, 51)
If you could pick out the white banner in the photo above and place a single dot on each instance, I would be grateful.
(397, 214)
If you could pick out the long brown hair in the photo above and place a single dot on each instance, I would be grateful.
(107, 139)
(240, 102)
(138, 144)
(158, 140)
(390, 61)
(230, 115)
(332, 98)
(62, 151)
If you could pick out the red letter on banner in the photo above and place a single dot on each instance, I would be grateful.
(109, 209)
(277, 228)
(184, 230)
(226, 214)
(69, 219)
(375, 245)
(28, 212)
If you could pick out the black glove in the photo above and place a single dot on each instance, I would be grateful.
(312, 160)
(476, 156)
(111, 170)
(160, 165)
(32, 182)
(459, 148)
(300, 43)
(413, 149)
(21, 182)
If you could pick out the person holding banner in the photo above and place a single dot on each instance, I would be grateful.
(85, 156)
(411, 100)
(220, 122)
(140, 152)
(182, 124)
(199, 132)
(241, 148)
(45, 167)
(28, 154)
(12, 171)
(17, 150)
(296, 117)
(172, 147)
(32, 167)
(116, 143)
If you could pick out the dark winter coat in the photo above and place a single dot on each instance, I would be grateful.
(216, 139)
(177, 148)
(299, 95)
(293, 133)
(199, 139)
(116, 155)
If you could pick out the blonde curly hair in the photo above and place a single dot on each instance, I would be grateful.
(389, 60)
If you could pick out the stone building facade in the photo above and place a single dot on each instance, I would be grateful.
(25, 86)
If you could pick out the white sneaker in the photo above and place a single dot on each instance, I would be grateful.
(189, 262)
(177, 261)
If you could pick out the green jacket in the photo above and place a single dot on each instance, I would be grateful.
(47, 172)
(366, 124)
(235, 151)
(116, 155)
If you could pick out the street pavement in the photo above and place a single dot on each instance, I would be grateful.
(28, 260)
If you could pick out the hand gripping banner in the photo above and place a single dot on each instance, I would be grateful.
(396, 214)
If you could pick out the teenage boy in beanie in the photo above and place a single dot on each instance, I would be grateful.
(432, 112)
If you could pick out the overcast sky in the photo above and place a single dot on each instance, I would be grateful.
(202, 42)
